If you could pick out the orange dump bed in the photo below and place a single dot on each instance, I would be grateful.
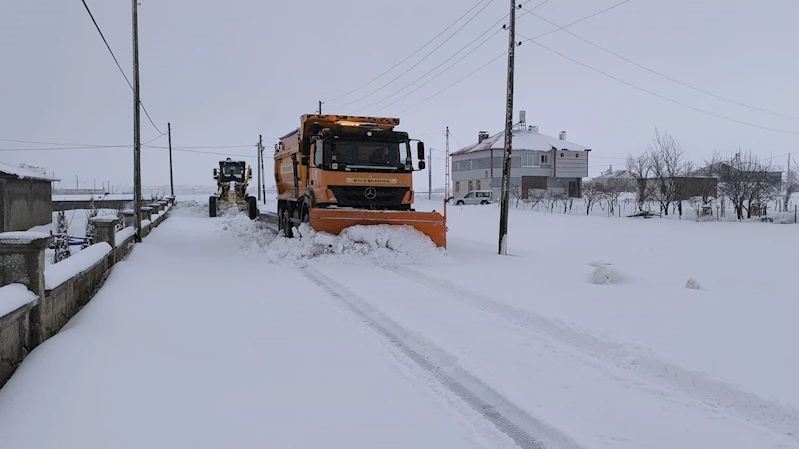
(333, 221)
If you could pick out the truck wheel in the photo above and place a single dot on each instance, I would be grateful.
(459, 203)
(287, 225)
(212, 206)
(252, 206)
(484, 202)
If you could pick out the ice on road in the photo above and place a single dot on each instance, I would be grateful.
(191, 345)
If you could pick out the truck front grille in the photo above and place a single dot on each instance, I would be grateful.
(356, 196)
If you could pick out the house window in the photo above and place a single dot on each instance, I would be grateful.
(486, 176)
(529, 160)
(471, 163)
(544, 158)
(576, 154)
(471, 187)
(562, 154)
(457, 186)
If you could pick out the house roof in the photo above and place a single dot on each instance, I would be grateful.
(615, 174)
(523, 139)
(24, 173)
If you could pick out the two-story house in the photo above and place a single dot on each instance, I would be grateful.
(538, 162)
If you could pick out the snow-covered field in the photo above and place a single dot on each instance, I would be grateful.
(593, 332)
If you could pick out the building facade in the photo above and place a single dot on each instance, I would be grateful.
(25, 198)
(538, 162)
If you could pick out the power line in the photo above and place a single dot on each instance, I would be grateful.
(421, 60)
(411, 55)
(447, 60)
(96, 25)
(453, 84)
(661, 74)
(659, 95)
(467, 54)
(582, 19)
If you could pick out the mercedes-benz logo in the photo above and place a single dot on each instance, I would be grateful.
(370, 193)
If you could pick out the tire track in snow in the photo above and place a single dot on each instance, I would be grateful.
(525, 430)
(717, 394)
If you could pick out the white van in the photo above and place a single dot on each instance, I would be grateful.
(476, 197)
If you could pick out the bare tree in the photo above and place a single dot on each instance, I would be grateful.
(516, 192)
(745, 180)
(791, 185)
(669, 166)
(592, 194)
(640, 169)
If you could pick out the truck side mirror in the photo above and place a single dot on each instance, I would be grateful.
(421, 164)
(420, 150)
(216, 174)
(249, 173)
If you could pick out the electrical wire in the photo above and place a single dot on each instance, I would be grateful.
(741, 122)
(409, 56)
(662, 75)
(453, 84)
(421, 60)
(96, 25)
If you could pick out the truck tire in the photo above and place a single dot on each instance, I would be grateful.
(252, 207)
(212, 206)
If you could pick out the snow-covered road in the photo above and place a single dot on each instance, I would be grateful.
(190, 345)
(216, 334)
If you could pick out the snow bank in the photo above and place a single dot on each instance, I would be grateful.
(605, 274)
(14, 296)
(384, 244)
(57, 274)
(125, 234)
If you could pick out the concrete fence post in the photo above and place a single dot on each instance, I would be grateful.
(155, 207)
(22, 262)
(146, 213)
(129, 218)
(105, 230)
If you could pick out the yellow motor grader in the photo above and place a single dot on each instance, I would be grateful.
(232, 180)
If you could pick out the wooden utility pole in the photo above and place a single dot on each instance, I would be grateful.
(505, 199)
(260, 155)
(137, 199)
(171, 179)
(320, 107)
(430, 175)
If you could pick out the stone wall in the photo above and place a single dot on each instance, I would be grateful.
(22, 262)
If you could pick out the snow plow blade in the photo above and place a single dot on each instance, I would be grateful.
(333, 221)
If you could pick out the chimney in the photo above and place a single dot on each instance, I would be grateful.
(482, 135)
(523, 118)
(563, 135)
(533, 129)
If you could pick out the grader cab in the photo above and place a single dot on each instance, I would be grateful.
(232, 180)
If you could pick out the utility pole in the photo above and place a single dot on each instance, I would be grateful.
(260, 155)
(320, 107)
(263, 174)
(447, 157)
(171, 179)
(430, 175)
(505, 199)
(137, 200)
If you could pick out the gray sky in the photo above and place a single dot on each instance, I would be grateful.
(224, 72)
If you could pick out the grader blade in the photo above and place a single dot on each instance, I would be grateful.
(333, 221)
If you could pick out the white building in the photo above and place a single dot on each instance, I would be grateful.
(538, 162)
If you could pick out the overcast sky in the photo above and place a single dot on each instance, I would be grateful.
(224, 72)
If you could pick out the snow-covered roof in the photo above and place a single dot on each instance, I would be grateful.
(24, 173)
(523, 139)
(615, 174)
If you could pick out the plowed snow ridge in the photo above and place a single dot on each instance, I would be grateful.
(765, 413)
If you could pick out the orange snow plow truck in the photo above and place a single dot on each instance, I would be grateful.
(337, 171)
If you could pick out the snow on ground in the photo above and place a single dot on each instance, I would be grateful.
(215, 350)
(593, 332)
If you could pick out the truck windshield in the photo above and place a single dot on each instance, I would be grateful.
(231, 172)
(371, 154)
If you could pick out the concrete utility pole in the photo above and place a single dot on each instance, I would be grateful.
(505, 199)
(263, 174)
(430, 175)
(171, 179)
(137, 200)
(320, 107)
(260, 155)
